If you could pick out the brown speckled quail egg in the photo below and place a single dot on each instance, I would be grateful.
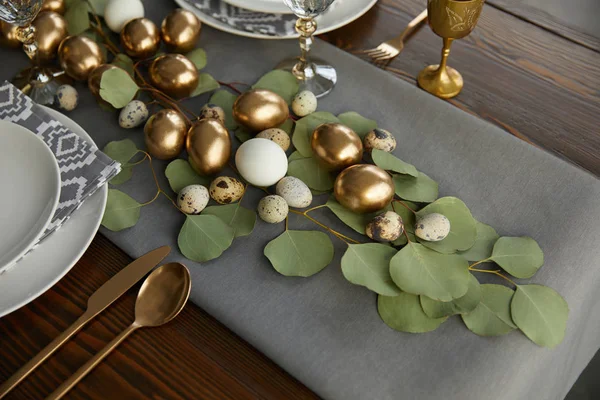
(273, 209)
(386, 227)
(294, 191)
(304, 103)
(66, 97)
(213, 111)
(432, 227)
(379, 139)
(192, 199)
(133, 114)
(276, 135)
(226, 190)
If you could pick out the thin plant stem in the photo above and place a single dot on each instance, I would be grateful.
(494, 272)
(403, 205)
(407, 238)
(286, 222)
(337, 234)
(230, 86)
(315, 208)
(479, 262)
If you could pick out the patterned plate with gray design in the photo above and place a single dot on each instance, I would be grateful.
(239, 21)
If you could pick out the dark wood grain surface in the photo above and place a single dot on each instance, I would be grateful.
(531, 67)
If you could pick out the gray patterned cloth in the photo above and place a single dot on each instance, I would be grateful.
(83, 168)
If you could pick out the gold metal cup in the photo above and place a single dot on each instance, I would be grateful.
(449, 19)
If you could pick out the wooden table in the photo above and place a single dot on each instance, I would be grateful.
(530, 67)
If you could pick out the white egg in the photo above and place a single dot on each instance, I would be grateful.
(119, 12)
(273, 209)
(261, 162)
(192, 199)
(294, 191)
(432, 227)
(133, 114)
(304, 103)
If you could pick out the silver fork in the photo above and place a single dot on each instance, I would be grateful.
(383, 54)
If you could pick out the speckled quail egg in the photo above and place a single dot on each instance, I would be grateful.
(225, 190)
(273, 209)
(432, 227)
(294, 191)
(386, 227)
(192, 199)
(379, 139)
(66, 97)
(213, 111)
(276, 135)
(133, 114)
(304, 103)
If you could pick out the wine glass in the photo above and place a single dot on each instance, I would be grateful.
(313, 74)
(449, 19)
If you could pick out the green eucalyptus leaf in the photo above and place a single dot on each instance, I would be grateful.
(484, 243)
(305, 127)
(409, 219)
(204, 237)
(98, 6)
(541, 313)
(225, 100)
(462, 305)
(390, 162)
(198, 57)
(241, 219)
(310, 172)
(117, 87)
(181, 174)
(422, 189)
(121, 211)
(418, 270)
(404, 313)
(369, 265)
(296, 155)
(282, 82)
(287, 126)
(357, 123)
(125, 62)
(492, 316)
(78, 20)
(242, 134)
(206, 83)
(123, 176)
(300, 253)
(121, 150)
(463, 231)
(519, 256)
(358, 222)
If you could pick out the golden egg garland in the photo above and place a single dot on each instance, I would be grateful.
(78, 56)
(208, 146)
(180, 31)
(260, 109)
(140, 38)
(8, 35)
(57, 6)
(364, 188)
(51, 29)
(164, 134)
(174, 74)
(336, 146)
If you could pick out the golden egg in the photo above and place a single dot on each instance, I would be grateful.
(8, 36)
(336, 146)
(180, 30)
(57, 6)
(95, 78)
(51, 29)
(260, 109)
(364, 188)
(208, 146)
(78, 56)
(174, 74)
(164, 134)
(140, 38)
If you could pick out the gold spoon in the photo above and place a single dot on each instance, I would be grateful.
(162, 296)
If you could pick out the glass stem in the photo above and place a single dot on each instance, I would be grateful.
(445, 54)
(305, 27)
(26, 35)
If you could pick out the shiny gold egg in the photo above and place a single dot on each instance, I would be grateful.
(57, 6)
(50, 30)
(208, 146)
(78, 56)
(180, 30)
(95, 78)
(336, 146)
(164, 134)
(140, 38)
(8, 36)
(174, 74)
(260, 109)
(364, 188)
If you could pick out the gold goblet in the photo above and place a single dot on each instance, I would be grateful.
(449, 19)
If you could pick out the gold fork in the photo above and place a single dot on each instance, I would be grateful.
(383, 54)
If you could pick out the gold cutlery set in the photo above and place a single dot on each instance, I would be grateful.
(449, 19)
(161, 297)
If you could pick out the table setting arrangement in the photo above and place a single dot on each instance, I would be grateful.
(321, 209)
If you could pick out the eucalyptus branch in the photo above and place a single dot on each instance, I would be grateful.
(493, 272)
(230, 86)
(403, 204)
(337, 234)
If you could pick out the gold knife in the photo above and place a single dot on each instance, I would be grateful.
(102, 298)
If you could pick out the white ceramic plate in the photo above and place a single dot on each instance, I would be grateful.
(30, 185)
(243, 22)
(56, 255)
(265, 6)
